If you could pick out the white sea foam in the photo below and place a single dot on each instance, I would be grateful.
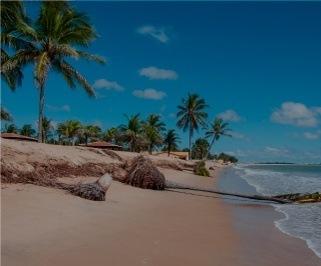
(301, 221)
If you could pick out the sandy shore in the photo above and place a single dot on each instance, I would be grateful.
(42, 226)
(45, 226)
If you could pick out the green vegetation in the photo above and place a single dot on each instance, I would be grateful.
(27, 130)
(171, 140)
(5, 115)
(200, 169)
(227, 158)
(200, 149)
(191, 115)
(215, 130)
(47, 43)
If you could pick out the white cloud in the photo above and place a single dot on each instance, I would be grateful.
(107, 85)
(157, 33)
(312, 135)
(63, 108)
(276, 151)
(237, 135)
(150, 94)
(230, 115)
(158, 73)
(296, 114)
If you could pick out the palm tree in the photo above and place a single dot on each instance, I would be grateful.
(215, 130)
(14, 22)
(89, 131)
(69, 130)
(55, 36)
(131, 132)
(27, 130)
(47, 127)
(113, 135)
(5, 115)
(153, 128)
(12, 128)
(171, 140)
(191, 115)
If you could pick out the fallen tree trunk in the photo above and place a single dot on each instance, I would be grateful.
(173, 185)
(92, 191)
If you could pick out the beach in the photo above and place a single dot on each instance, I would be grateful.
(46, 226)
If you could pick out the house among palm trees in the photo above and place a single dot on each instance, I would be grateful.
(174, 154)
(15, 136)
(103, 145)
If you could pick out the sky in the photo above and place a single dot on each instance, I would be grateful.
(257, 65)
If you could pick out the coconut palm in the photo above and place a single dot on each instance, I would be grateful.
(191, 115)
(5, 115)
(171, 140)
(57, 33)
(69, 130)
(27, 130)
(215, 130)
(89, 131)
(14, 22)
(153, 128)
(132, 131)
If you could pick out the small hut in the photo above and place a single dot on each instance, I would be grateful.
(104, 145)
(15, 136)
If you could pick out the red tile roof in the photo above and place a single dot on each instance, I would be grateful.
(16, 137)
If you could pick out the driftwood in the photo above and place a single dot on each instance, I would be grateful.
(173, 185)
(91, 191)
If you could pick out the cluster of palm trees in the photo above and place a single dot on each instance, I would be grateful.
(47, 43)
(192, 116)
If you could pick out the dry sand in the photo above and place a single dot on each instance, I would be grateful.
(42, 226)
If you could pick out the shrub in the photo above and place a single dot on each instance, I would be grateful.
(200, 169)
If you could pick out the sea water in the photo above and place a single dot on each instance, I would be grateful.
(300, 220)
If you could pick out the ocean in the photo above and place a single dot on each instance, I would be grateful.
(301, 221)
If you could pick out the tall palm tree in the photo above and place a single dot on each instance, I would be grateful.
(5, 115)
(14, 22)
(153, 128)
(27, 130)
(47, 127)
(131, 132)
(215, 130)
(69, 130)
(191, 115)
(171, 140)
(55, 36)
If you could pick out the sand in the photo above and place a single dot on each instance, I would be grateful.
(45, 226)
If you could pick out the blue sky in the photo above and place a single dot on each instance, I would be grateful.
(258, 65)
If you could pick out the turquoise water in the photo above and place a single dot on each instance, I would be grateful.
(302, 221)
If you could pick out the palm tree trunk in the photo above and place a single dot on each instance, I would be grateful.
(190, 143)
(210, 147)
(169, 150)
(41, 112)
